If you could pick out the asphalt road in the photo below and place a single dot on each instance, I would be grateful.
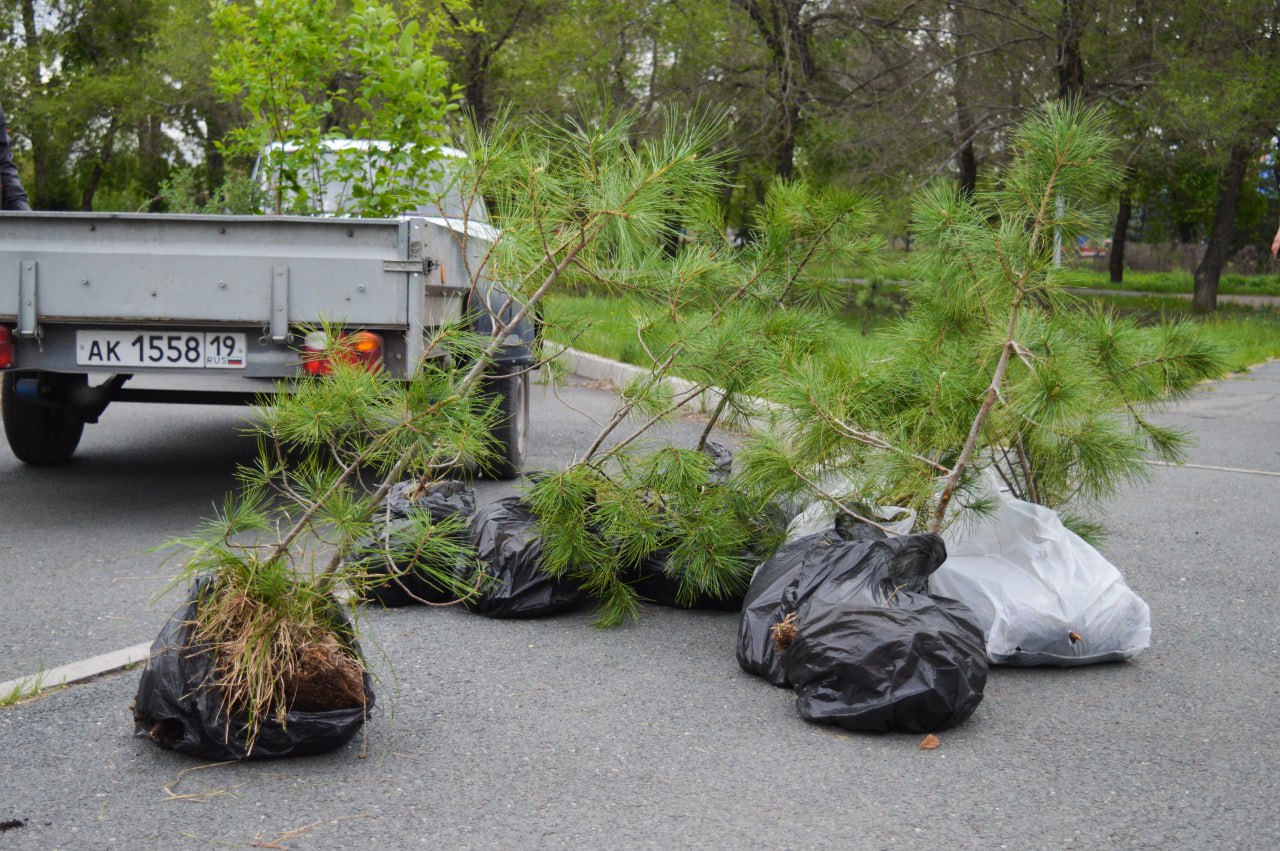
(501, 734)
(77, 575)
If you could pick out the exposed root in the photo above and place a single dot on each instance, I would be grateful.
(784, 633)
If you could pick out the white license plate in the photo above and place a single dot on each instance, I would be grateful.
(191, 349)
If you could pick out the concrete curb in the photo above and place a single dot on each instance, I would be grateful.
(597, 368)
(75, 672)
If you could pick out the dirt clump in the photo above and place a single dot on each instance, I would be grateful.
(326, 677)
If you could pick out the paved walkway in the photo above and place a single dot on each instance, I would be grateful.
(1223, 298)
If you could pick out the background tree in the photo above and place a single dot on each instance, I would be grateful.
(105, 99)
(1236, 58)
(303, 74)
(480, 32)
(32, 104)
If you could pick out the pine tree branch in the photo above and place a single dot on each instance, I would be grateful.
(282, 547)
(867, 439)
(622, 414)
(713, 419)
(677, 347)
(328, 574)
(1010, 348)
(971, 441)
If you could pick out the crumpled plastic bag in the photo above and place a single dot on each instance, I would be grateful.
(847, 622)
(799, 563)
(657, 579)
(406, 585)
(509, 546)
(721, 461)
(1043, 595)
(873, 651)
(439, 499)
(652, 581)
(180, 709)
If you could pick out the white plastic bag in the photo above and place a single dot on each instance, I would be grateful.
(1043, 595)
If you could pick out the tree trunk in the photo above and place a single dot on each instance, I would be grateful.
(99, 168)
(785, 153)
(91, 187)
(1116, 259)
(215, 161)
(1205, 295)
(1186, 231)
(39, 130)
(968, 159)
(788, 38)
(1070, 59)
(965, 130)
(476, 94)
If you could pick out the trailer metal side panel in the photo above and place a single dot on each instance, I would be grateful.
(261, 270)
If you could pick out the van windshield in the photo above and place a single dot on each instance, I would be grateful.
(360, 179)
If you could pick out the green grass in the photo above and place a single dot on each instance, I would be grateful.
(1248, 335)
(607, 327)
(892, 265)
(22, 691)
(1249, 338)
(600, 325)
(1172, 282)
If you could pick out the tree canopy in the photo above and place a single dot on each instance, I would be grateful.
(107, 99)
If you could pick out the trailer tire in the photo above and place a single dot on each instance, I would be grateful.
(511, 432)
(40, 435)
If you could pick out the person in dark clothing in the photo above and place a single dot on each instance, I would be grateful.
(12, 195)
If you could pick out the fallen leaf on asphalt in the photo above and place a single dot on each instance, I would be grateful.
(930, 743)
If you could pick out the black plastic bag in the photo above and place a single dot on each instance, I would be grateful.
(509, 547)
(440, 499)
(406, 585)
(654, 578)
(652, 582)
(873, 651)
(793, 572)
(721, 462)
(180, 709)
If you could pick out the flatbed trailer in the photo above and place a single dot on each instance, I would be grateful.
(220, 306)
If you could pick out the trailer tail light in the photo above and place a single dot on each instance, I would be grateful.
(362, 347)
(6, 347)
(366, 346)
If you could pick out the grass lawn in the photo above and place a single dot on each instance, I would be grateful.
(893, 266)
(608, 326)
(1172, 282)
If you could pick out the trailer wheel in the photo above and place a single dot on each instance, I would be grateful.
(511, 433)
(40, 435)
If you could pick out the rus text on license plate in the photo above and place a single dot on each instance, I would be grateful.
(191, 349)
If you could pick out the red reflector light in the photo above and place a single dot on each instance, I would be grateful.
(362, 347)
(6, 347)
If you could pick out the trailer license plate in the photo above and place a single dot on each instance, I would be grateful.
(191, 349)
